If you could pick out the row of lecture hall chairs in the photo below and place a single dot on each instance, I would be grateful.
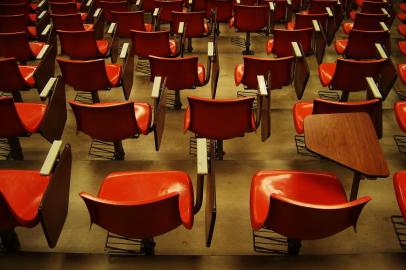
(29, 48)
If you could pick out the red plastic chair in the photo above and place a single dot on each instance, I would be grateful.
(17, 23)
(280, 44)
(304, 21)
(319, 7)
(90, 47)
(399, 183)
(280, 69)
(109, 7)
(361, 44)
(131, 20)
(305, 205)
(113, 121)
(32, 6)
(70, 22)
(67, 8)
(34, 197)
(154, 43)
(91, 76)
(196, 26)
(79, 5)
(17, 45)
(17, 9)
(250, 19)
(371, 7)
(166, 202)
(167, 7)
(223, 9)
(348, 75)
(366, 22)
(400, 113)
(282, 11)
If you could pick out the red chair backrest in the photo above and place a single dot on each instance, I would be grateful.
(350, 74)
(87, 40)
(10, 76)
(372, 107)
(67, 22)
(148, 5)
(220, 119)
(133, 219)
(180, 73)
(63, 7)
(14, 9)
(150, 43)
(84, 75)
(282, 41)
(16, 45)
(361, 44)
(108, 7)
(104, 121)
(199, 5)
(281, 70)
(13, 23)
(250, 18)
(167, 8)
(319, 6)
(63, 1)
(224, 9)
(369, 22)
(308, 222)
(281, 7)
(10, 123)
(303, 21)
(126, 21)
(372, 7)
(194, 23)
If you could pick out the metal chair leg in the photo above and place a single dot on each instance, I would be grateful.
(16, 152)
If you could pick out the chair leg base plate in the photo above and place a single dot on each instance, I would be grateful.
(301, 147)
(120, 245)
(399, 225)
(249, 52)
(400, 141)
(269, 242)
(105, 151)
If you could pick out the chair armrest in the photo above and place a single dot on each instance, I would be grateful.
(211, 50)
(126, 60)
(381, 51)
(296, 50)
(301, 70)
(112, 28)
(238, 2)
(51, 158)
(158, 94)
(263, 117)
(45, 65)
(42, 53)
(262, 89)
(190, 4)
(113, 41)
(42, 4)
(384, 11)
(384, 26)
(138, 4)
(156, 18)
(180, 39)
(98, 23)
(316, 26)
(45, 93)
(372, 90)
(271, 6)
(329, 12)
(202, 164)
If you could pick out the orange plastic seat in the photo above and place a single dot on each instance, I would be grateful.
(402, 72)
(402, 29)
(142, 205)
(402, 7)
(402, 47)
(400, 113)
(280, 69)
(131, 20)
(17, 45)
(90, 47)
(281, 46)
(153, 43)
(229, 118)
(27, 73)
(302, 109)
(302, 205)
(399, 183)
(361, 44)
(366, 22)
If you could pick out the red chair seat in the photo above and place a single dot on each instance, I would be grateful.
(401, 16)
(32, 31)
(84, 15)
(114, 74)
(201, 73)
(399, 183)
(402, 72)
(326, 73)
(143, 114)
(87, 27)
(103, 47)
(300, 111)
(269, 46)
(231, 23)
(27, 72)
(347, 27)
(172, 46)
(148, 27)
(290, 25)
(402, 29)
(353, 13)
(340, 45)
(32, 17)
(400, 113)
(139, 187)
(206, 27)
(36, 47)
(402, 47)
(359, 2)
(31, 115)
(33, 6)
(304, 12)
(78, 5)
(316, 188)
(238, 73)
(23, 192)
(402, 7)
